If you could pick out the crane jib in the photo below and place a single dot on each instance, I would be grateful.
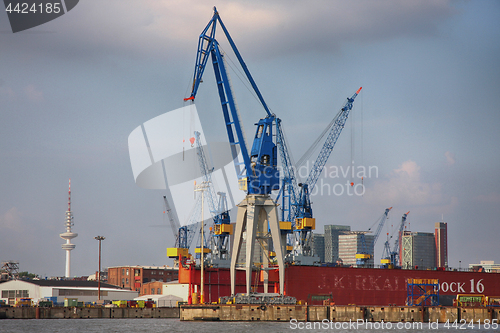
(261, 166)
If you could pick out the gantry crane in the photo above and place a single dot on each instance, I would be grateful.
(392, 257)
(258, 173)
(364, 255)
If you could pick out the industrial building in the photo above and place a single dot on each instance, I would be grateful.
(352, 243)
(152, 288)
(332, 233)
(441, 240)
(486, 266)
(58, 290)
(173, 288)
(418, 250)
(133, 277)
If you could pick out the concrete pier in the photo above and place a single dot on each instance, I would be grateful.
(244, 312)
(240, 312)
(84, 313)
(255, 312)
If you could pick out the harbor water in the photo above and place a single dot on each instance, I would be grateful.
(175, 325)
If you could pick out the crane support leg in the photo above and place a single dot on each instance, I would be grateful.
(253, 214)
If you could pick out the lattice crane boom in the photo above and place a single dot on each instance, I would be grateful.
(381, 225)
(302, 207)
(174, 223)
(400, 233)
(206, 175)
(259, 170)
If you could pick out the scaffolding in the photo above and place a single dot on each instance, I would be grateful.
(422, 292)
(9, 270)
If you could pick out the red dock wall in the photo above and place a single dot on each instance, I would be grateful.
(360, 286)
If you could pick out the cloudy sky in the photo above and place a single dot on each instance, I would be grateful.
(73, 89)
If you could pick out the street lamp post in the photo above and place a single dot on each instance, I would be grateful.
(99, 238)
(201, 188)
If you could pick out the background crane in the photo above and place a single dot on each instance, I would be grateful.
(221, 229)
(392, 257)
(183, 234)
(365, 255)
(296, 197)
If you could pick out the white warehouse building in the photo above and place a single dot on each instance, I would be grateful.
(58, 290)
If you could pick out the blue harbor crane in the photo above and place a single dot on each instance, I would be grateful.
(257, 170)
(258, 173)
(297, 202)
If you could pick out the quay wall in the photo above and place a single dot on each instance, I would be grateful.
(82, 313)
(254, 312)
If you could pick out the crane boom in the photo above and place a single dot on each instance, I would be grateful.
(365, 255)
(289, 189)
(206, 175)
(400, 234)
(303, 208)
(205, 44)
(183, 234)
(330, 142)
(381, 225)
(174, 223)
(219, 211)
(296, 203)
(260, 173)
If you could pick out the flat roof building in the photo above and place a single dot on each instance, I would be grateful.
(58, 290)
(332, 233)
(487, 266)
(133, 277)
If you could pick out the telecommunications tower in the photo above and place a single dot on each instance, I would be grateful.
(68, 235)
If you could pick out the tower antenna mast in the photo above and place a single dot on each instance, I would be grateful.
(68, 235)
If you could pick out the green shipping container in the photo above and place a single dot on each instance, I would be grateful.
(69, 302)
